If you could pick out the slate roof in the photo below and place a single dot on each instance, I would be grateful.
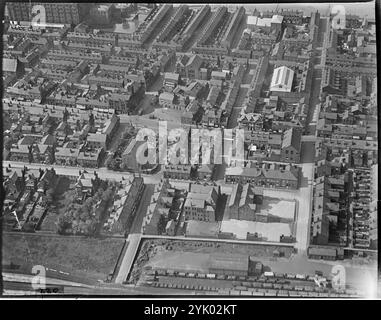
(291, 138)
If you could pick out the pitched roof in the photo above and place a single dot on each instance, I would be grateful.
(96, 137)
(22, 148)
(322, 251)
(282, 79)
(167, 96)
(291, 137)
(267, 173)
(195, 58)
(171, 76)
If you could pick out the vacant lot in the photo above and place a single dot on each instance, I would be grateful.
(93, 258)
(269, 231)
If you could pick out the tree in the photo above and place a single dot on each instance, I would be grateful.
(78, 126)
(30, 155)
(107, 195)
(28, 227)
(69, 196)
(113, 165)
(84, 215)
(88, 204)
(92, 227)
(126, 134)
(64, 223)
(7, 143)
(65, 115)
(49, 197)
(161, 224)
(91, 120)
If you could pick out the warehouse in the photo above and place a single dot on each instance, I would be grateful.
(282, 79)
(229, 264)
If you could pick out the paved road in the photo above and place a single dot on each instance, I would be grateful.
(133, 241)
(146, 122)
(103, 173)
(25, 278)
(268, 243)
(18, 286)
(133, 238)
(238, 104)
(142, 209)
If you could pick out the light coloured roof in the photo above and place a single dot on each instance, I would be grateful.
(264, 22)
(171, 76)
(235, 262)
(291, 137)
(267, 173)
(167, 96)
(282, 79)
(9, 65)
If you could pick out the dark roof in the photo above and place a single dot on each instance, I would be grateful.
(235, 262)
(322, 251)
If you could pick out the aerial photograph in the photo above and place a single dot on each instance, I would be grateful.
(184, 149)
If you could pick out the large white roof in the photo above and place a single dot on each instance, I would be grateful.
(264, 22)
(282, 79)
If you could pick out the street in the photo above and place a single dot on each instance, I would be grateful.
(103, 172)
(237, 107)
(133, 241)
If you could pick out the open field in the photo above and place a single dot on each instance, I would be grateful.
(95, 258)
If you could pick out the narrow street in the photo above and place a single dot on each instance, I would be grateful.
(237, 107)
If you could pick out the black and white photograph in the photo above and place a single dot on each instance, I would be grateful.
(187, 150)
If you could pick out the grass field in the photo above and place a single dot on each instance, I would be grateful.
(94, 258)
